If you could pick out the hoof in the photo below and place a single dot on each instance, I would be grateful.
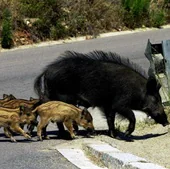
(39, 139)
(113, 134)
(28, 137)
(74, 137)
(47, 138)
(30, 134)
(13, 140)
(75, 132)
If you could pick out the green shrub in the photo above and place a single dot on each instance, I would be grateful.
(62, 18)
(6, 40)
(136, 12)
(58, 31)
(157, 18)
(92, 17)
(48, 14)
(158, 13)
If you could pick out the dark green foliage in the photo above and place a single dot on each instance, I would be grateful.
(159, 13)
(6, 41)
(49, 14)
(139, 13)
(136, 12)
(157, 18)
(62, 18)
(58, 31)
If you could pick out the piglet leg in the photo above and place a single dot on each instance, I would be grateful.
(69, 125)
(8, 133)
(16, 128)
(42, 125)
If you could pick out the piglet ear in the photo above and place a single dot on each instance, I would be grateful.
(152, 85)
(5, 96)
(12, 96)
(21, 107)
(84, 112)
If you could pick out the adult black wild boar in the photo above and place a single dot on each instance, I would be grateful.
(104, 80)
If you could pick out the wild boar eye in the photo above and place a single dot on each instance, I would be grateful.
(28, 114)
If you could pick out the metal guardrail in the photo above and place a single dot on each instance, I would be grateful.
(159, 58)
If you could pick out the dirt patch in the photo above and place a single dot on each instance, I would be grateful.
(151, 142)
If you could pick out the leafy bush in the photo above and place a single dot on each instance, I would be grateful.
(48, 14)
(135, 12)
(6, 40)
(62, 18)
(144, 12)
(158, 13)
(55, 19)
(157, 18)
(92, 17)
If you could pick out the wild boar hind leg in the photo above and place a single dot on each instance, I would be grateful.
(42, 126)
(128, 113)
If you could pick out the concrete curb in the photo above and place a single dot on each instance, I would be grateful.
(109, 156)
(115, 159)
(78, 158)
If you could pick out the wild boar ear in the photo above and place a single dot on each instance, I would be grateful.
(5, 96)
(12, 96)
(84, 112)
(152, 85)
(146, 110)
(21, 107)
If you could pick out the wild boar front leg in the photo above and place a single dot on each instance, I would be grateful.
(132, 121)
(8, 133)
(69, 126)
(110, 116)
(16, 128)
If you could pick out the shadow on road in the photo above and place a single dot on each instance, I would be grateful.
(82, 133)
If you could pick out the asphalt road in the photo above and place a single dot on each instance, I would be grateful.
(20, 67)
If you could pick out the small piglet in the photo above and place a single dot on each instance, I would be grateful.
(57, 111)
(11, 119)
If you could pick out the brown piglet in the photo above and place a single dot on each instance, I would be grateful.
(11, 119)
(57, 111)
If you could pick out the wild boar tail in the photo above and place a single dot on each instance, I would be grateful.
(35, 110)
(38, 85)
